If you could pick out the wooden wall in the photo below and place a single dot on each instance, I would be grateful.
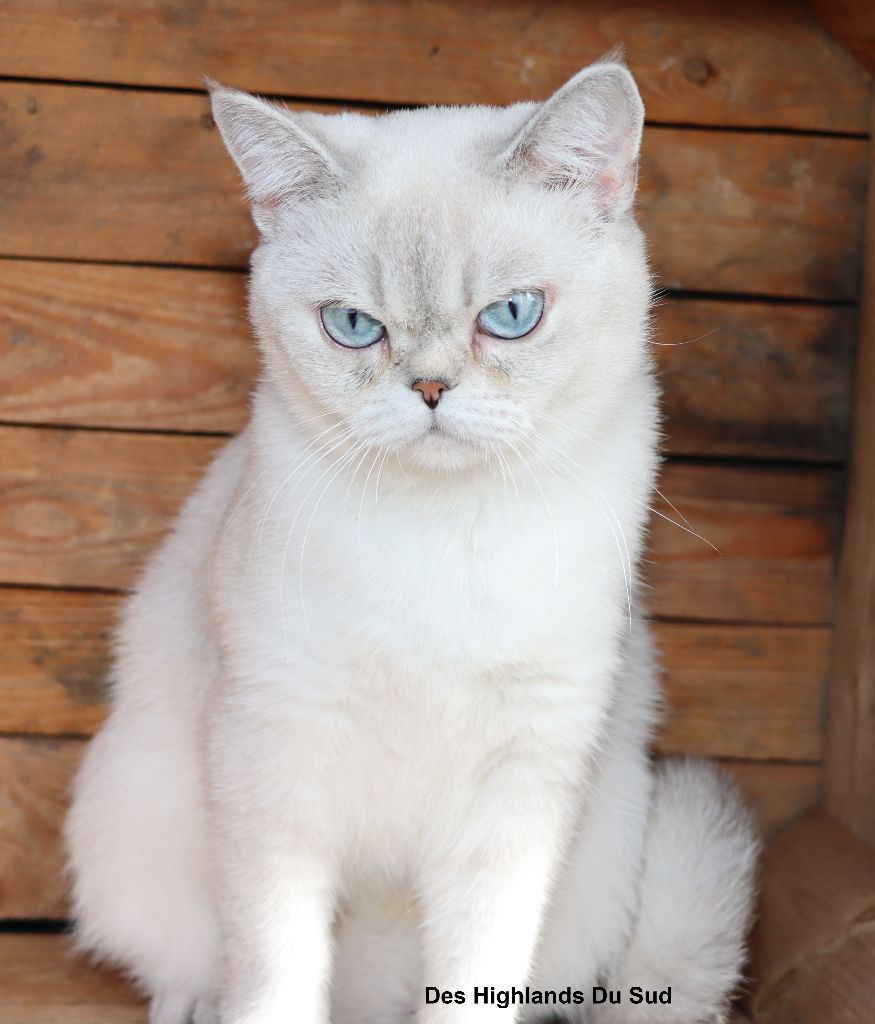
(125, 358)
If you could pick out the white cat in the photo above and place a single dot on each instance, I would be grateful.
(382, 701)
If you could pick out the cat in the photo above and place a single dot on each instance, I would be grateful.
(381, 703)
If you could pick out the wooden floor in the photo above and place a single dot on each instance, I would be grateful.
(40, 983)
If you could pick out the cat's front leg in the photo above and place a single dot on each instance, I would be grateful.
(485, 895)
(276, 916)
(275, 884)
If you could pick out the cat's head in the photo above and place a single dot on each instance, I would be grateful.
(448, 280)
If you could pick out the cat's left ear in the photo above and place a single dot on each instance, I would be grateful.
(281, 162)
(586, 137)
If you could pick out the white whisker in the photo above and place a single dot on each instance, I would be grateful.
(364, 491)
(377, 483)
(606, 510)
(341, 464)
(690, 528)
(691, 532)
(303, 502)
(302, 459)
(546, 505)
(678, 344)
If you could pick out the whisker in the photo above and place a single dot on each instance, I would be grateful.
(341, 464)
(674, 508)
(377, 484)
(302, 459)
(365, 449)
(500, 466)
(303, 502)
(691, 532)
(364, 491)
(602, 503)
(546, 505)
(677, 344)
(313, 459)
(596, 442)
(503, 459)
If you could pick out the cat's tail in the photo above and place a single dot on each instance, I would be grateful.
(696, 901)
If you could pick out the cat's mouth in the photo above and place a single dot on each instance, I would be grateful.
(446, 434)
(448, 447)
(438, 431)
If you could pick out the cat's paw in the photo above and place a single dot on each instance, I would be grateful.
(182, 1008)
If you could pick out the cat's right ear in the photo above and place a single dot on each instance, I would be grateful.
(282, 163)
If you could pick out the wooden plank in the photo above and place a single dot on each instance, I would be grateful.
(852, 25)
(83, 508)
(35, 780)
(849, 788)
(56, 652)
(757, 379)
(741, 64)
(119, 175)
(41, 980)
(743, 691)
(814, 944)
(169, 349)
(775, 533)
(731, 691)
(34, 792)
(117, 346)
(776, 793)
(720, 209)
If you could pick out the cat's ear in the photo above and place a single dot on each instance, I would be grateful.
(280, 161)
(586, 137)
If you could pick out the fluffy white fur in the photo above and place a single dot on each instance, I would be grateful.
(382, 700)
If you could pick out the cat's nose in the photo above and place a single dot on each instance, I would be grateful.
(431, 391)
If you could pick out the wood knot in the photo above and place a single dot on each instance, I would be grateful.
(697, 70)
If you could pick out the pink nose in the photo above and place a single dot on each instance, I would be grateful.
(431, 391)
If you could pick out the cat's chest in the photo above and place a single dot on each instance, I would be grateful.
(486, 583)
(474, 584)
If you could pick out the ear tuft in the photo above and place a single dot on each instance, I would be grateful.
(586, 137)
(281, 163)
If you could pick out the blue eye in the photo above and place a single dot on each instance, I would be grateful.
(351, 327)
(514, 316)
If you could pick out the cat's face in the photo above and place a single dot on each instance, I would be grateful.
(450, 281)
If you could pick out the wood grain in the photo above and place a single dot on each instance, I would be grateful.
(56, 652)
(852, 25)
(774, 529)
(34, 791)
(776, 793)
(169, 349)
(84, 508)
(129, 347)
(739, 64)
(849, 783)
(753, 379)
(731, 691)
(814, 944)
(119, 175)
(743, 691)
(42, 981)
(35, 782)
